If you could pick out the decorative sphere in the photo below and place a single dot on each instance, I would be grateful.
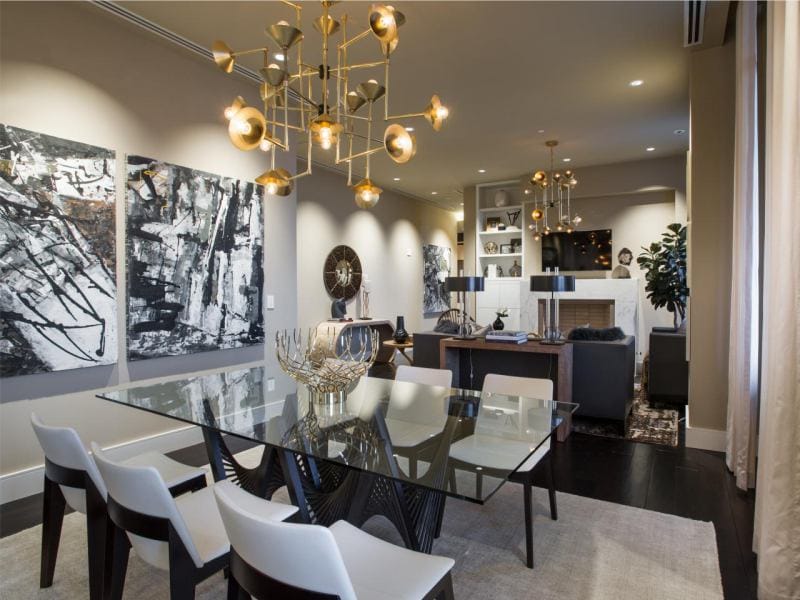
(367, 199)
(537, 214)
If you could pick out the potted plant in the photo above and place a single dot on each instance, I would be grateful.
(664, 265)
(498, 324)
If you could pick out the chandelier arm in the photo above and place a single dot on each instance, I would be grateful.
(366, 153)
(325, 17)
(308, 162)
(295, 6)
(353, 40)
(341, 61)
(369, 135)
(386, 83)
(406, 116)
(251, 51)
(368, 65)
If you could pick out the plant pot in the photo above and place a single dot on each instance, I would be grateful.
(400, 334)
(498, 324)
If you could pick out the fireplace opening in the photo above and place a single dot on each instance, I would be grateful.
(581, 313)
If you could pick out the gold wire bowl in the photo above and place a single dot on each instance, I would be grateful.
(329, 366)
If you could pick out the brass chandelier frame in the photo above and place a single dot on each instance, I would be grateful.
(289, 102)
(551, 193)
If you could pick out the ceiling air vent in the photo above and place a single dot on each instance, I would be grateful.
(694, 12)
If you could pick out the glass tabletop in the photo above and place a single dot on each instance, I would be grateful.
(461, 442)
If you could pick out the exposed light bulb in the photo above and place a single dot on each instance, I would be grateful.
(265, 145)
(537, 237)
(325, 133)
(403, 143)
(243, 127)
(577, 219)
(272, 188)
(442, 112)
(279, 57)
(229, 112)
(325, 143)
(368, 196)
(386, 21)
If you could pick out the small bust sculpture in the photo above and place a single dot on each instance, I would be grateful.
(621, 271)
(339, 308)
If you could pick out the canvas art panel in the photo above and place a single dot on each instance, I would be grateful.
(57, 254)
(195, 246)
(436, 268)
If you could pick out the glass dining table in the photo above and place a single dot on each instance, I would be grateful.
(390, 448)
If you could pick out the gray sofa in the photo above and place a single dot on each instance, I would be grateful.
(602, 372)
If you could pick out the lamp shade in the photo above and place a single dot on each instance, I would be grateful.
(464, 284)
(552, 283)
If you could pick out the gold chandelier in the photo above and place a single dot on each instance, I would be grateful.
(326, 117)
(551, 194)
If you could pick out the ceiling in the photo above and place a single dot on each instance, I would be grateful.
(513, 75)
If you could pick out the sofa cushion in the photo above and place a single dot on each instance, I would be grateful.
(609, 334)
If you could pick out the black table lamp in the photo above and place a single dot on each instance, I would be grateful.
(552, 283)
(462, 285)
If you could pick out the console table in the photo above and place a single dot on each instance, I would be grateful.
(471, 360)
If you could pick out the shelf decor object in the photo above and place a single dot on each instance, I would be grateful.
(329, 366)
(462, 285)
(325, 112)
(553, 283)
(551, 194)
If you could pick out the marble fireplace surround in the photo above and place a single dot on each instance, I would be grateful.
(624, 293)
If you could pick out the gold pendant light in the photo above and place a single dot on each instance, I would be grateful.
(319, 103)
(551, 194)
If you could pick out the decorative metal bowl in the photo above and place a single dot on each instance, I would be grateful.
(327, 364)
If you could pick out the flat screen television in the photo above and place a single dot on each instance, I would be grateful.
(577, 251)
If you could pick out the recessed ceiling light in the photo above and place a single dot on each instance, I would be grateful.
(434, 193)
(636, 83)
(541, 131)
(278, 56)
(649, 149)
(397, 179)
(566, 159)
(481, 170)
(679, 131)
(409, 129)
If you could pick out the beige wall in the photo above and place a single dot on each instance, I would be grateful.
(710, 238)
(74, 71)
(387, 238)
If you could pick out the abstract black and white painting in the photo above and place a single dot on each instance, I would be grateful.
(195, 245)
(57, 254)
(436, 268)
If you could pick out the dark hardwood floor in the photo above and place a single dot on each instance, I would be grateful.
(680, 481)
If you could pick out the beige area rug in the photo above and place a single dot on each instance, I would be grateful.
(596, 550)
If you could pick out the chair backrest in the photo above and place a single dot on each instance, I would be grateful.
(509, 385)
(142, 490)
(439, 377)
(63, 447)
(303, 556)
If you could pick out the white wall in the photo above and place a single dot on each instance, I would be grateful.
(74, 71)
(387, 238)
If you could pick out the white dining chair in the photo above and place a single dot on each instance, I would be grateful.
(184, 535)
(470, 453)
(425, 376)
(71, 479)
(270, 559)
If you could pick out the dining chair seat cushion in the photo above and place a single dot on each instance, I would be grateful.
(491, 452)
(201, 515)
(379, 570)
(407, 435)
(172, 472)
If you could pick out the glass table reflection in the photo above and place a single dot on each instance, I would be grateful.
(385, 450)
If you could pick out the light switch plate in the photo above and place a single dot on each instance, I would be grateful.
(271, 384)
(270, 302)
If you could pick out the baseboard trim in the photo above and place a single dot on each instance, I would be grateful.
(705, 439)
(28, 482)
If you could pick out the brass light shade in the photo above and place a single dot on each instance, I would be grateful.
(367, 193)
(237, 105)
(370, 90)
(331, 25)
(436, 113)
(223, 55)
(247, 128)
(399, 144)
(383, 22)
(284, 34)
(388, 47)
(321, 124)
(277, 182)
(354, 101)
(538, 178)
(537, 214)
(273, 74)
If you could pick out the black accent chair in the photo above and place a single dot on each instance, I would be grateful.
(668, 379)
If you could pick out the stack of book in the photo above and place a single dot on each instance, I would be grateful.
(511, 337)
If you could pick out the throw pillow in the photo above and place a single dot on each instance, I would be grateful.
(610, 334)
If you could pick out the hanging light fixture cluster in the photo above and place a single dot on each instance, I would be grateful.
(326, 113)
(551, 199)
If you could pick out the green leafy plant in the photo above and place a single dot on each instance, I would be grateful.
(502, 312)
(664, 264)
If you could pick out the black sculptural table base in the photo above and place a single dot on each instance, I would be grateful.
(326, 492)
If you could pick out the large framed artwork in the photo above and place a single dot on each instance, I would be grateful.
(195, 245)
(57, 254)
(436, 268)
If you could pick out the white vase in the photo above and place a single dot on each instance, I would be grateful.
(501, 198)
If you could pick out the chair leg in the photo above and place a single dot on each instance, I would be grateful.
(96, 525)
(447, 592)
(234, 589)
(528, 496)
(551, 484)
(118, 549)
(52, 518)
